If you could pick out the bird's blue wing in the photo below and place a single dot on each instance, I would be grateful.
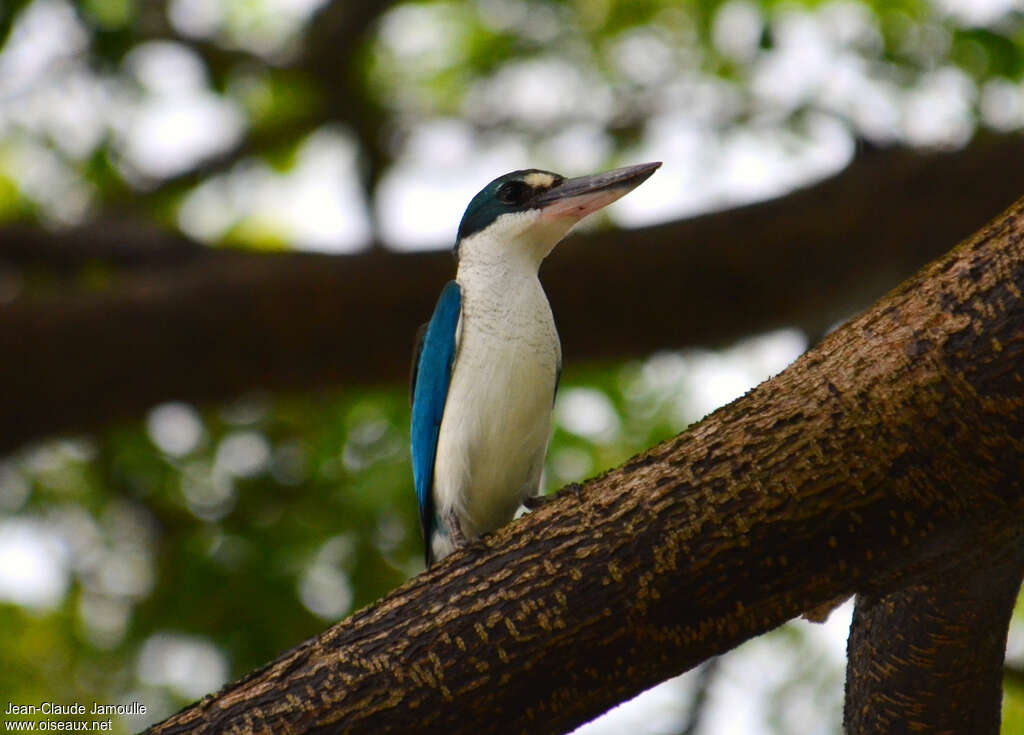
(431, 375)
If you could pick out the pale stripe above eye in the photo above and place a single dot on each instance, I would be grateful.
(539, 180)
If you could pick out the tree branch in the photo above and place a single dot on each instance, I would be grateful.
(336, 34)
(698, 705)
(123, 243)
(207, 325)
(929, 658)
(871, 464)
(255, 142)
(331, 37)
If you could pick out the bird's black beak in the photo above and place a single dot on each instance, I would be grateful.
(576, 198)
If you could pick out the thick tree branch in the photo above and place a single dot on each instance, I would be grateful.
(122, 244)
(195, 324)
(929, 658)
(871, 464)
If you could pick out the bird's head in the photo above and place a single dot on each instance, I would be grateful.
(521, 216)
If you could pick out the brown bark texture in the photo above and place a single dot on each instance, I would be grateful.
(177, 321)
(873, 462)
(929, 658)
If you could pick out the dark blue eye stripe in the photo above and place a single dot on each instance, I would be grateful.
(491, 202)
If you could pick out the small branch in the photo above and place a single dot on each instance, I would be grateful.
(336, 34)
(698, 705)
(253, 143)
(332, 35)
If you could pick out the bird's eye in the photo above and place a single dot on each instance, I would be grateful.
(514, 192)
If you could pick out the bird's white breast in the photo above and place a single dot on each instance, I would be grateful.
(497, 416)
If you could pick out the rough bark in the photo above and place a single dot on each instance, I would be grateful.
(178, 321)
(873, 463)
(929, 658)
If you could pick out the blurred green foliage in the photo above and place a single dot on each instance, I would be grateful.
(1013, 694)
(612, 67)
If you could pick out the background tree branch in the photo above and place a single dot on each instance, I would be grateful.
(874, 463)
(179, 321)
(331, 42)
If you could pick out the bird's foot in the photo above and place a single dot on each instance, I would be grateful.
(573, 487)
(451, 524)
(532, 502)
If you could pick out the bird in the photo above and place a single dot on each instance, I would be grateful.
(486, 366)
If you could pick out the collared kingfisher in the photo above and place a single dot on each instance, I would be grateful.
(487, 364)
